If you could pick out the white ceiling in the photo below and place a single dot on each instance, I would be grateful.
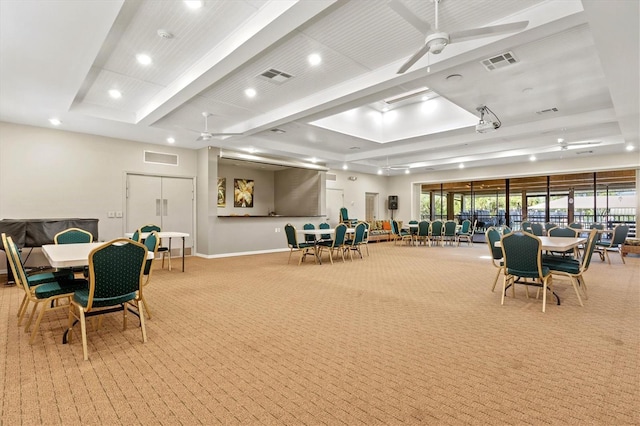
(60, 58)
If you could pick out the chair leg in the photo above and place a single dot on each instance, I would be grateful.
(83, 330)
(575, 288)
(141, 309)
(496, 280)
(37, 324)
(621, 256)
(290, 253)
(606, 254)
(147, 306)
(33, 313)
(504, 288)
(23, 310)
(583, 285)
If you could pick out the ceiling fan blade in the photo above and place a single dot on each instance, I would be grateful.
(226, 134)
(475, 33)
(416, 56)
(410, 17)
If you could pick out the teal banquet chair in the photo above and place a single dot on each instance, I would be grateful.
(324, 237)
(522, 254)
(563, 232)
(436, 231)
(74, 236)
(355, 243)
(466, 232)
(604, 246)
(337, 243)
(400, 234)
(537, 229)
(572, 268)
(303, 248)
(45, 292)
(449, 232)
(115, 284)
(161, 249)
(344, 218)
(423, 232)
(309, 238)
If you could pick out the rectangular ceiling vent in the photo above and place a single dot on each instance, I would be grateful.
(275, 76)
(547, 111)
(160, 158)
(584, 152)
(331, 176)
(499, 61)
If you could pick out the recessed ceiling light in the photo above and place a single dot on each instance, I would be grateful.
(250, 92)
(313, 160)
(193, 4)
(354, 147)
(345, 167)
(115, 94)
(171, 140)
(560, 140)
(143, 59)
(461, 165)
(379, 171)
(532, 158)
(454, 78)
(406, 172)
(55, 121)
(385, 109)
(314, 59)
(629, 147)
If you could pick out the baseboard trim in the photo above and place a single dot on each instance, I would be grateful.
(242, 253)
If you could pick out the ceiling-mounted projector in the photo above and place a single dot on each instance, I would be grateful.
(486, 126)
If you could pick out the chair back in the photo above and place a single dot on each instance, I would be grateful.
(537, 229)
(525, 226)
(575, 225)
(136, 235)
(115, 272)
(549, 225)
(344, 214)
(365, 239)
(325, 225)
(394, 228)
(506, 230)
(309, 238)
(15, 262)
(466, 226)
(436, 228)
(423, 228)
(562, 232)
(599, 226)
(151, 243)
(290, 231)
(150, 227)
(493, 236)
(450, 228)
(589, 248)
(359, 233)
(620, 233)
(340, 234)
(73, 236)
(522, 254)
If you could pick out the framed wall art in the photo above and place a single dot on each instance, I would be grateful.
(242, 193)
(222, 192)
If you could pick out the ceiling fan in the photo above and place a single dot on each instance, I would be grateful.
(437, 40)
(207, 135)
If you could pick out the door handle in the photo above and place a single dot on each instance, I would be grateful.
(158, 207)
(165, 207)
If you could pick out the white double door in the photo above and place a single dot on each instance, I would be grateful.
(165, 201)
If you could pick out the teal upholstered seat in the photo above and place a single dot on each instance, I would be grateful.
(115, 281)
(436, 231)
(522, 254)
(400, 234)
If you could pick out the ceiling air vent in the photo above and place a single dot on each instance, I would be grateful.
(160, 158)
(275, 76)
(499, 61)
(546, 111)
(584, 152)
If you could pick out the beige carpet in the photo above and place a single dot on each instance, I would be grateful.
(409, 335)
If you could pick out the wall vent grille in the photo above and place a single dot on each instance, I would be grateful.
(331, 176)
(160, 158)
(499, 61)
(275, 76)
